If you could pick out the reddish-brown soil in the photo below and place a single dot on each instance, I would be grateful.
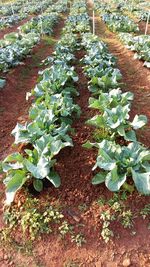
(129, 247)
(142, 26)
(21, 80)
(14, 28)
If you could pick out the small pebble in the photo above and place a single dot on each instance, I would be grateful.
(126, 262)
(5, 257)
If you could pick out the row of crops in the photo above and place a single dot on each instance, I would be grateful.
(121, 159)
(127, 28)
(14, 47)
(11, 14)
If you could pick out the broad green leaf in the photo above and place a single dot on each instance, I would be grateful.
(142, 182)
(2, 83)
(14, 157)
(14, 184)
(38, 185)
(144, 156)
(39, 171)
(11, 166)
(130, 136)
(139, 121)
(99, 178)
(114, 180)
(54, 178)
(97, 121)
(88, 145)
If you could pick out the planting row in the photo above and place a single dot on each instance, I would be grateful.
(117, 22)
(120, 155)
(12, 14)
(21, 7)
(50, 117)
(15, 46)
(138, 9)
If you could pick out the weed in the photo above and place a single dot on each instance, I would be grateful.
(145, 211)
(117, 211)
(127, 219)
(48, 40)
(65, 228)
(83, 207)
(101, 201)
(32, 218)
(79, 239)
(72, 263)
(106, 232)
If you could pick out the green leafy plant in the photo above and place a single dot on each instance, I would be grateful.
(33, 219)
(65, 228)
(116, 122)
(106, 232)
(79, 239)
(145, 212)
(120, 23)
(35, 167)
(120, 163)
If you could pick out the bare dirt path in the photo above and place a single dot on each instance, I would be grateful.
(21, 80)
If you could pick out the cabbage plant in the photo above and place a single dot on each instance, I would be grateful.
(120, 164)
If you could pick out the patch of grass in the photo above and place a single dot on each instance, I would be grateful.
(72, 263)
(106, 232)
(78, 239)
(33, 219)
(115, 210)
(48, 40)
(2, 109)
(25, 72)
(82, 207)
(145, 212)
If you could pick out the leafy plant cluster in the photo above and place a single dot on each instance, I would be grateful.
(136, 9)
(78, 20)
(40, 24)
(116, 211)
(45, 22)
(6, 9)
(115, 19)
(120, 156)
(16, 46)
(139, 44)
(12, 14)
(9, 21)
(50, 119)
(35, 219)
(120, 23)
(20, 7)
